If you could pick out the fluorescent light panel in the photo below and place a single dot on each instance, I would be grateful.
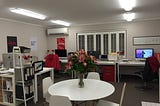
(28, 13)
(129, 16)
(60, 22)
(127, 5)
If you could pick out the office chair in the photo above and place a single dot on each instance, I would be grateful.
(93, 75)
(52, 61)
(150, 72)
(59, 101)
(110, 103)
(47, 82)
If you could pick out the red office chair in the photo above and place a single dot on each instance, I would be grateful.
(150, 72)
(52, 61)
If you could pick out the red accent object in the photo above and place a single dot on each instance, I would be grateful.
(157, 55)
(154, 63)
(61, 43)
(108, 73)
(52, 60)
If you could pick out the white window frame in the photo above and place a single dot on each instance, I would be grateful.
(102, 40)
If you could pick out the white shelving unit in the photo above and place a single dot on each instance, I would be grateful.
(24, 77)
(7, 89)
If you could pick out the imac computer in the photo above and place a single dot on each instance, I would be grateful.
(94, 53)
(61, 52)
(143, 53)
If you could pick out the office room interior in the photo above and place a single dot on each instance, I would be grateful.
(97, 19)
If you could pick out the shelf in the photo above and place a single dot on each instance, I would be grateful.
(5, 90)
(7, 103)
(23, 71)
(7, 75)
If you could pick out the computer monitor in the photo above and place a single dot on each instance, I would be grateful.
(61, 52)
(38, 66)
(94, 53)
(143, 53)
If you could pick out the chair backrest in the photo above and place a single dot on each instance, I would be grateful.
(93, 75)
(122, 94)
(52, 60)
(154, 63)
(150, 69)
(59, 101)
(46, 83)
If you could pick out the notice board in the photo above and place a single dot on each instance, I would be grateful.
(146, 40)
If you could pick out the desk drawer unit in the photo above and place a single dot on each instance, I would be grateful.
(108, 73)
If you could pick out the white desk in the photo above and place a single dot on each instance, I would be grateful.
(129, 63)
(93, 89)
(117, 65)
(45, 70)
(99, 62)
(150, 104)
(132, 63)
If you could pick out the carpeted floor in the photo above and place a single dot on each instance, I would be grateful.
(133, 95)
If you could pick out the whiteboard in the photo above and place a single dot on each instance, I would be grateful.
(146, 40)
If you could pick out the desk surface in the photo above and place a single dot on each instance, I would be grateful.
(93, 89)
(99, 62)
(132, 63)
(45, 69)
(150, 104)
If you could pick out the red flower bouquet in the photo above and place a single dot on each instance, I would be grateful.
(81, 62)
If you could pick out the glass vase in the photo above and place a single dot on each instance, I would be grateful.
(81, 83)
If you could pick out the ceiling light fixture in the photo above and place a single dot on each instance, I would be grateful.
(129, 16)
(127, 5)
(28, 13)
(60, 22)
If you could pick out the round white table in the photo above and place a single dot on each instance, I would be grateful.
(93, 89)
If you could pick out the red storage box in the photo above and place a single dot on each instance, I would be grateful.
(108, 73)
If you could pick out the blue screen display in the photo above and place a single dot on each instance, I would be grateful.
(144, 53)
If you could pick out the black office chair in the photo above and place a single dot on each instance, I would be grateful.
(150, 72)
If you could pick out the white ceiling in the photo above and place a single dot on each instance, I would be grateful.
(79, 12)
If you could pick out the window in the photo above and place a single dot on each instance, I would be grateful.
(81, 41)
(90, 42)
(98, 42)
(104, 42)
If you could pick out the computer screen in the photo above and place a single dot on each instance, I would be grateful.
(61, 52)
(38, 66)
(143, 53)
(94, 53)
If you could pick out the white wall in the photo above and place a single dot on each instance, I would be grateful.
(24, 32)
(144, 28)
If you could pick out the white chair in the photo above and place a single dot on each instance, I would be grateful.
(93, 75)
(47, 82)
(59, 101)
(109, 103)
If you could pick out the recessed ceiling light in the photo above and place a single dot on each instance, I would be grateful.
(28, 13)
(127, 5)
(129, 16)
(60, 22)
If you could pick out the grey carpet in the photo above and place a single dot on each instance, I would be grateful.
(133, 96)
